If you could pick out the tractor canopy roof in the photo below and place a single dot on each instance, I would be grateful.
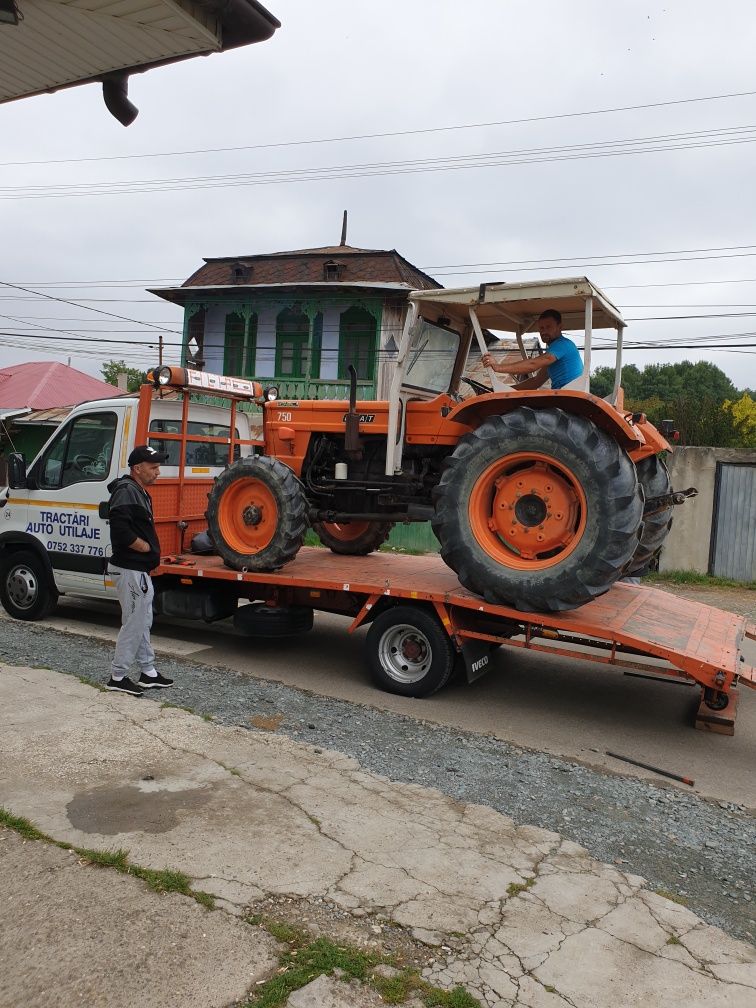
(514, 307)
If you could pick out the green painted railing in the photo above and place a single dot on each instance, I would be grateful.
(319, 388)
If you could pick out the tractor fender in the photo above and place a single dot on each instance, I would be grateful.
(472, 412)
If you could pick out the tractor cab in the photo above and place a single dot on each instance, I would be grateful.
(445, 328)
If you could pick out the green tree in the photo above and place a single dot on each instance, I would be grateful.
(134, 377)
(743, 413)
(667, 381)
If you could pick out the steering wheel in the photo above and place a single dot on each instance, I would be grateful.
(476, 386)
(81, 460)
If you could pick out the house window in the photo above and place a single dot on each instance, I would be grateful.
(357, 332)
(233, 346)
(195, 339)
(240, 273)
(239, 345)
(292, 344)
(332, 270)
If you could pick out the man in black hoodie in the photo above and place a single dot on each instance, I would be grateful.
(136, 551)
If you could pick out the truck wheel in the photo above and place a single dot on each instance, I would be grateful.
(25, 589)
(653, 476)
(355, 538)
(257, 514)
(409, 652)
(538, 509)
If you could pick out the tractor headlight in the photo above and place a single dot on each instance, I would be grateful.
(271, 393)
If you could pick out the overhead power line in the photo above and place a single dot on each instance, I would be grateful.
(394, 133)
(576, 152)
(85, 307)
(554, 262)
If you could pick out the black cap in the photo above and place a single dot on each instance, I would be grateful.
(143, 453)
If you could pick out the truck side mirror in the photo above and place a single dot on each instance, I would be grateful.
(103, 509)
(16, 471)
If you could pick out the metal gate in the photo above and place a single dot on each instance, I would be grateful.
(733, 529)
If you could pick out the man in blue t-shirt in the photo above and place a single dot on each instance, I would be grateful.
(560, 362)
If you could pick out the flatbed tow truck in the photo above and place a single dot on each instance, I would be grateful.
(420, 619)
(54, 539)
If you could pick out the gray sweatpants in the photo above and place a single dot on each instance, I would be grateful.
(135, 593)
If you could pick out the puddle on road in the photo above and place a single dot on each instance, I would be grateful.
(131, 807)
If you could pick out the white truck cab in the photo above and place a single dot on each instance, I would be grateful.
(54, 532)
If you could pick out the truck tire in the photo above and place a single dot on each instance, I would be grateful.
(257, 514)
(538, 509)
(355, 538)
(653, 476)
(409, 652)
(25, 589)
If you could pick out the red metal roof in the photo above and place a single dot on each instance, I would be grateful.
(46, 384)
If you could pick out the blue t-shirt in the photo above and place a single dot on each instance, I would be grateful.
(568, 366)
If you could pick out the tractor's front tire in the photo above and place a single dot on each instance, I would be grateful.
(653, 476)
(538, 509)
(355, 538)
(257, 514)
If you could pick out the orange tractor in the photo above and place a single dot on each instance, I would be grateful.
(539, 499)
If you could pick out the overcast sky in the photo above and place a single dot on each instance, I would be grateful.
(344, 69)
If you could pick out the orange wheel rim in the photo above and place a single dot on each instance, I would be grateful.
(527, 511)
(347, 532)
(248, 516)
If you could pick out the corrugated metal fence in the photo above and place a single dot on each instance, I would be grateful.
(733, 542)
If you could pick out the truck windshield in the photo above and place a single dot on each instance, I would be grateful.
(432, 355)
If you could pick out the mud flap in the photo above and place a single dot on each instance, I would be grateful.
(477, 656)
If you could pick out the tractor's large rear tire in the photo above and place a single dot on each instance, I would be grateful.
(538, 509)
(653, 476)
(257, 514)
(355, 538)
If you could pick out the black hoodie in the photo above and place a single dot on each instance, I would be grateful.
(131, 518)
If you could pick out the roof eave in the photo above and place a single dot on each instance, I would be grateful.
(179, 295)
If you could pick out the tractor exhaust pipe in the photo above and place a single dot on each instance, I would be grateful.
(352, 439)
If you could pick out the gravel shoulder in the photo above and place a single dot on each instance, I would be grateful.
(698, 851)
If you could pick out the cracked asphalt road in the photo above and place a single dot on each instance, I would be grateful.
(699, 851)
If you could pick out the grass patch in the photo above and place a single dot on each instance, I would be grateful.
(515, 888)
(165, 881)
(673, 897)
(188, 710)
(305, 959)
(118, 859)
(311, 539)
(22, 826)
(549, 989)
(673, 940)
(94, 685)
(685, 577)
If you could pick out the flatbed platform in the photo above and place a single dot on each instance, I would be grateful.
(631, 626)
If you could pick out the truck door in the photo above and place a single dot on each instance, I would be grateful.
(70, 480)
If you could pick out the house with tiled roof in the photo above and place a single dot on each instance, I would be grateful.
(299, 318)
